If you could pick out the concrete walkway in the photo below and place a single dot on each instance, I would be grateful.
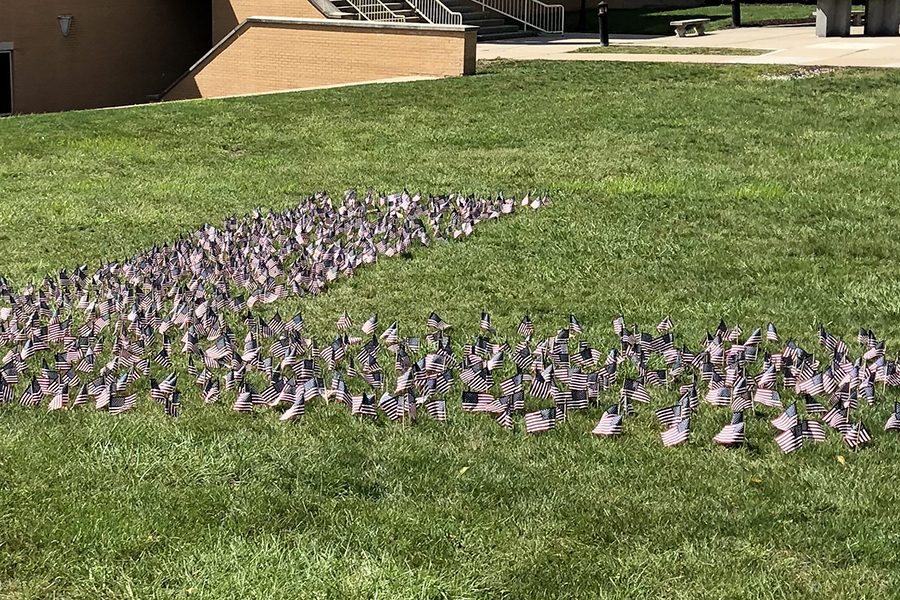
(787, 45)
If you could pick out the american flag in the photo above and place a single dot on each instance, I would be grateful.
(676, 434)
(471, 400)
(574, 325)
(7, 393)
(813, 407)
(436, 322)
(837, 418)
(119, 404)
(495, 361)
(541, 386)
(295, 411)
(767, 379)
(437, 410)
(754, 339)
(82, 397)
(489, 404)
(504, 419)
(391, 407)
(665, 325)
(610, 423)
(786, 420)
(671, 415)
(363, 406)
(540, 421)
(526, 328)
(719, 396)
(577, 400)
(618, 325)
(211, 391)
(741, 403)
(436, 363)
(790, 440)
(344, 323)
(368, 328)
(172, 404)
(658, 377)
(516, 401)
(60, 399)
(405, 381)
(485, 322)
(812, 430)
(634, 391)
(814, 386)
(732, 434)
(769, 398)
(512, 385)
(857, 436)
(244, 400)
(893, 421)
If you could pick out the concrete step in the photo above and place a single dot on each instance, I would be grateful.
(485, 22)
(498, 29)
(462, 8)
(505, 35)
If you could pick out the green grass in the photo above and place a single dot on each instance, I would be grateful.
(700, 191)
(655, 21)
(634, 49)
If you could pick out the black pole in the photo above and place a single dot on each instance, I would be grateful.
(736, 13)
(582, 16)
(603, 18)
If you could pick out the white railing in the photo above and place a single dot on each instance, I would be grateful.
(375, 10)
(546, 18)
(434, 11)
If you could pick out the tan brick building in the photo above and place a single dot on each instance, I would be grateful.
(70, 54)
(114, 52)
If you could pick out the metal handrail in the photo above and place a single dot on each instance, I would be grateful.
(375, 10)
(435, 11)
(546, 18)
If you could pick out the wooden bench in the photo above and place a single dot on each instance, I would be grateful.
(682, 27)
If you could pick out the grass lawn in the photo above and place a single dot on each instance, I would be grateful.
(699, 191)
(655, 21)
(634, 49)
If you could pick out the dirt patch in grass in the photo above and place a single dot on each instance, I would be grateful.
(637, 49)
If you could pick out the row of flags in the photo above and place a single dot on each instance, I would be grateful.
(725, 362)
(547, 369)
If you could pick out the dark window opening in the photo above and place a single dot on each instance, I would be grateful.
(6, 98)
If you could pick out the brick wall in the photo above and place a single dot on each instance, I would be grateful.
(228, 14)
(268, 55)
(118, 51)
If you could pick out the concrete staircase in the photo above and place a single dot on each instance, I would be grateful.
(491, 25)
(397, 6)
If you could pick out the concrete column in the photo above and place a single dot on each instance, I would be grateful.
(833, 18)
(883, 17)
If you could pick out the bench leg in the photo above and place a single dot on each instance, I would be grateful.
(680, 31)
(700, 29)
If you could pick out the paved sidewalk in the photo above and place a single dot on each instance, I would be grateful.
(789, 45)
